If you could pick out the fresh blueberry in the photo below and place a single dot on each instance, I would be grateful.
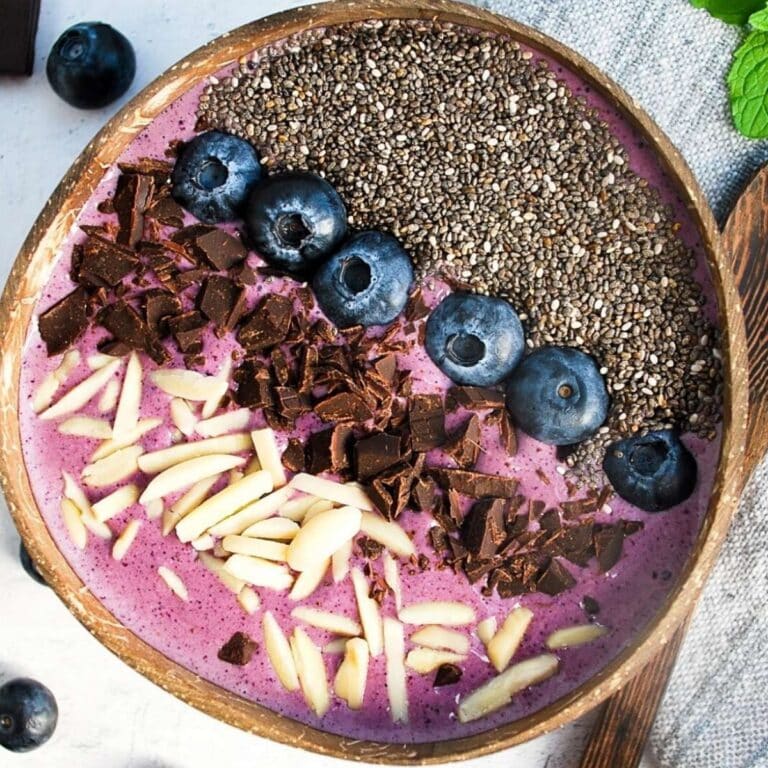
(295, 220)
(367, 282)
(558, 396)
(653, 472)
(475, 340)
(28, 715)
(28, 564)
(213, 176)
(91, 65)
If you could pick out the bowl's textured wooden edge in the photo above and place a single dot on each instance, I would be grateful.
(33, 266)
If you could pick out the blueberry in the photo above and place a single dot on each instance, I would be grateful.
(28, 715)
(367, 282)
(28, 564)
(475, 340)
(91, 65)
(558, 396)
(653, 472)
(213, 176)
(295, 220)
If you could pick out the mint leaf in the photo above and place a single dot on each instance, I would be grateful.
(748, 85)
(731, 11)
(759, 20)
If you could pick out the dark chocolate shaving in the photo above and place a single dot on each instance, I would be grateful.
(132, 198)
(426, 418)
(375, 454)
(476, 484)
(267, 325)
(463, 445)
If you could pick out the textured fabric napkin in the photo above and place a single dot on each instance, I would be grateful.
(673, 60)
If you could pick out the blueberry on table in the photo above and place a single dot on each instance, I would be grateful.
(214, 175)
(91, 65)
(28, 715)
(475, 340)
(367, 282)
(558, 396)
(28, 564)
(653, 472)
(295, 220)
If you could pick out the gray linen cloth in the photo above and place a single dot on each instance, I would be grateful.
(673, 60)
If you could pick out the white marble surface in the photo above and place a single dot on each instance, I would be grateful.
(110, 716)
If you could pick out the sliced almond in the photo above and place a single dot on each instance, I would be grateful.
(154, 509)
(108, 447)
(445, 612)
(319, 538)
(441, 638)
(75, 493)
(51, 383)
(268, 455)
(308, 581)
(102, 530)
(340, 562)
(86, 426)
(498, 691)
(69, 361)
(203, 543)
(223, 504)
(252, 466)
(346, 495)
(570, 637)
(295, 509)
(173, 582)
(426, 660)
(332, 622)
(187, 473)
(506, 641)
(117, 501)
(352, 677)
(157, 461)
(249, 600)
(486, 629)
(312, 675)
(259, 572)
(188, 385)
(216, 566)
(70, 514)
(127, 414)
(279, 653)
(235, 475)
(320, 505)
(252, 513)
(275, 528)
(186, 503)
(388, 533)
(244, 545)
(124, 541)
(394, 652)
(370, 616)
(232, 421)
(99, 360)
(212, 403)
(337, 646)
(114, 468)
(183, 417)
(81, 393)
(392, 577)
(108, 399)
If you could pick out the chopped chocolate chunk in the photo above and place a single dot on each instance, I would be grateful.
(280, 366)
(416, 308)
(254, 390)
(575, 508)
(454, 506)
(458, 550)
(424, 563)
(105, 263)
(243, 274)
(556, 578)
(267, 325)
(159, 170)
(476, 484)
(381, 497)
(543, 476)
(516, 525)
(344, 406)
(127, 326)
(483, 530)
(293, 456)
(590, 605)
(550, 520)
(632, 527)
(439, 539)
(159, 306)
(132, 197)
(602, 498)
(447, 674)
(166, 211)
(476, 568)
(426, 417)
(424, 493)
(324, 331)
(290, 403)
(508, 434)
(218, 299)
(575, 543)
(370, 549)
(187, 331)
(374, 454)
(61, 324)
(327, 450)
(113, 347)
(386, 368)
(474, 398)
(535, 509)
(187, 278)
(608, 546)
(463, 445)
(307, 366)
(220, 249)
(238, 650)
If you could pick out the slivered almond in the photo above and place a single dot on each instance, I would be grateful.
(370, 616)
(337, 646)
(312, 675)
(441, 638)
(450, 614)
(392, 577)
(352, 677)
(340, 562)
(387, 533)
(308, 581)
(244, 545)
(81, 393)
(319, 538)
(116, 467)
(212, 403)
(259, 572)
(275, 528)
(394, 652)
(249, 600)
(203, 543)
(232, 421)
(69, 361)
(506, 641)
(346, 495)
(124, 541)
(269, 455)
(173, 582)
(183, 417)
(498, 691)
(332, 622)
(253, 512)
(127, 414)
(154, 509)
(76, 530)
(86, 426)
(279, 653)
(187, 473)
(223, 504)
(216, 566)
(99, 360)
(570, 637)
(486, 629)
(295, 509)
(108, 399)
(157, 461)
(45, 393)
(117, 502)
(426, 660)
(108, 447)
(235, 475)
(320, 505)
(186, 503)
(75, 493)
(252, 466)
(189, 385)
(102, 530)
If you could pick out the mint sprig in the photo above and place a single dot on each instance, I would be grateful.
(730, 11)
(759, 20)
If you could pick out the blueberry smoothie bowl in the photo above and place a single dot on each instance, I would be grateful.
(377, 386)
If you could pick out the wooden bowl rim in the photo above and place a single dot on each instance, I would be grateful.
(38, 253)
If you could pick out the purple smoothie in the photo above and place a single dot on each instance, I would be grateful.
(192, 633)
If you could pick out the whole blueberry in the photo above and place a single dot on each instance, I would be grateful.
(213, 176)
(91, 65)
(367, 282)
(28, 564)
(28, 715)
(653, 472)
(558, 396)
(475, 340)
(295, 220)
